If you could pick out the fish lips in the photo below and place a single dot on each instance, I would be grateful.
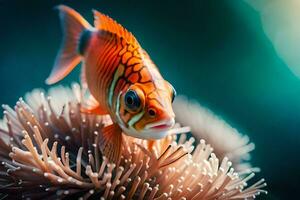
(156, 131)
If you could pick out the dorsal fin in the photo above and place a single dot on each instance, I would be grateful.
(104, 22)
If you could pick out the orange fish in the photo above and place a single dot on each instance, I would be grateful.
(119, 77)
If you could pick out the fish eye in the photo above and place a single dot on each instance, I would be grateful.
(174, 93)
(132, 100)
(151, 112)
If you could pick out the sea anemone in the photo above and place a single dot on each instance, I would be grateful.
(226, 141)
(49, 149)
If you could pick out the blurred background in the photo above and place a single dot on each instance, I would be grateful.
(238, 58)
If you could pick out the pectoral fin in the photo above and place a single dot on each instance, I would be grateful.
(111, 142)
(93, 107)
(90, 105)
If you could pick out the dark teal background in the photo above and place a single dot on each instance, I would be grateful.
(214, 51)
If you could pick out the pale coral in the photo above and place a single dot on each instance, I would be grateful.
(49, 149)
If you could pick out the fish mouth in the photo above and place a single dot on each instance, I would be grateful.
(156, 131)
(160, 125)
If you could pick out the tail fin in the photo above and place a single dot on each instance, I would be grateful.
(73, 24)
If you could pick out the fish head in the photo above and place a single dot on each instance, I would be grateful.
(149, 112)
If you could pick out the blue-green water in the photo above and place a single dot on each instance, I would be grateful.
(213, 51)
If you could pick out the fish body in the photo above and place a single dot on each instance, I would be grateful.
(126, 67)
(119, 77)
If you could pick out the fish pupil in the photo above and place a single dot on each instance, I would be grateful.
(132, 100)
(152, 112)
(129, 100)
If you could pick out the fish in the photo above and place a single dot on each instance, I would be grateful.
(119, 78)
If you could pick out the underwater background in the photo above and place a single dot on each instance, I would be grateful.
(213, 51)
